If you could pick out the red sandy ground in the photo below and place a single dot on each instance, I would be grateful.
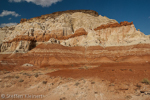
(120, 79)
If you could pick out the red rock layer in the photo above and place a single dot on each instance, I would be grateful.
(125, 23)
(46, 55)
(58, 54)
(46, 37)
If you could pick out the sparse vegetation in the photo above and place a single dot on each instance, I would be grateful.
(128, 97)
(9, 76)
(63, 98)
(76, 84)
(146, 81)
(27, 74)
(86, 67)
(44, 82)
(21, 80)
(72, 65)
(138, 86)
(21, 72)
(130, 70)
(92, 82)
(17, 77)
(112, 84)
(36, 75)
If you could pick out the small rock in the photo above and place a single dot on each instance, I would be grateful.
(142, 91)
(147, 92)
(29, 65)
(77, 84)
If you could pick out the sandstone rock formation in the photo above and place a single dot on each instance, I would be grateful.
(56, 14)
(109, 59)
(5, 32)
(72, 28)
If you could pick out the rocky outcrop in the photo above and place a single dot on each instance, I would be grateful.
(113, 25)
(54, 41)
(22, 43)
(45, 38)
(74, 28)
(23, 20)
(68, 46)
(56, 14)
(48, 54)
(5, 32)
(20, 46)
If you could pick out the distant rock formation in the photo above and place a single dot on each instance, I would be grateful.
(70, 28)
(56, 14)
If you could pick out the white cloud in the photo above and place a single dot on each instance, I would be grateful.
(7, 24)
(15, 0)
(9, 18)
(43, 3)
(6, 13)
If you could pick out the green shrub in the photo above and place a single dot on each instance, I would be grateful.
(36, 75)
(44, 82)
(21, 80)
(146, 81)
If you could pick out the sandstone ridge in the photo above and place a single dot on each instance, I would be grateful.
(125, 23)
(71, 28)
(45, 38)
(75, 56)
(56, 14)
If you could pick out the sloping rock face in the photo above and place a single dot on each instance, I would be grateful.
(72, 28)
(5, 32)
(77, 45)
(53, 54)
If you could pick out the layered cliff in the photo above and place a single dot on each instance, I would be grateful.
(72, 28)
(48, 53)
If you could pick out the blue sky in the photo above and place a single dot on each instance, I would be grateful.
(138, 11)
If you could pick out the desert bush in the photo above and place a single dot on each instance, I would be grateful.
(128, 97)
(130, 70)
(146, 81)
(44, 82)
(26, 74)
(21, 80)
(17, 77)
(76, 84)
(92, 82)
(36, 75)
(64, 98)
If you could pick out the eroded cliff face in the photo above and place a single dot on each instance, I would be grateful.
(75, 45)
(73, 28)
(4, 33)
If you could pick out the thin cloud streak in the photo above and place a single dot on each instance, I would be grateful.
(43, 3)
(7, 24)
(6, 13)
